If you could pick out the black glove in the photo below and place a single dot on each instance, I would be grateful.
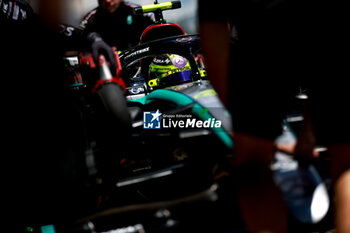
(15, 10)
(99, 47)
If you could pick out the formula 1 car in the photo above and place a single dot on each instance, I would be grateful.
(141, 171)
(163, 76)
(156, 136)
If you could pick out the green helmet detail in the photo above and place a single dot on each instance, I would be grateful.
(168, 70)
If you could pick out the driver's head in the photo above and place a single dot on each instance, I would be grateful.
(110, 5)
(169, 70)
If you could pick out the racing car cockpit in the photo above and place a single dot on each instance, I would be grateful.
(162, 63)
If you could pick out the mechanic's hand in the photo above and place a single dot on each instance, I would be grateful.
(15, 10)
(98, 47)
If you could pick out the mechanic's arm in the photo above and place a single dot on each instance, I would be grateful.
(100, 47)
(215, 42)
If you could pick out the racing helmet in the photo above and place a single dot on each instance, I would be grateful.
(169, 70)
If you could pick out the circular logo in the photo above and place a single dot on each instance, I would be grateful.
(179, 61)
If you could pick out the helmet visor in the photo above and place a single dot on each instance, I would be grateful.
(176, 78)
